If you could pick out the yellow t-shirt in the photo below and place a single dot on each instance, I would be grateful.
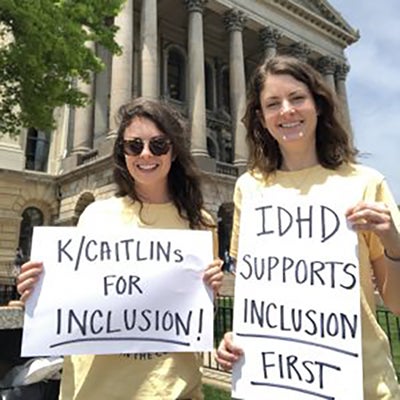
(380, 382)
(148, 376)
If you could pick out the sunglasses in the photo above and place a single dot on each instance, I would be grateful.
(158, 146)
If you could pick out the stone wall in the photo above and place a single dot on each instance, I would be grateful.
(19, 190)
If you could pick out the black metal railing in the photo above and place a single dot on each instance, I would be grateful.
(224, 317)
(226, 169)
(8, 291)
(390, 323)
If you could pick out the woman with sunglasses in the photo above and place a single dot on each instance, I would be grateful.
(158, 186)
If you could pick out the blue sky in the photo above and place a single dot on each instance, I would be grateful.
(373, 83)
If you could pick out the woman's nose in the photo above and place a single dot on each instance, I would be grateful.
(146, 152)
(286, 107)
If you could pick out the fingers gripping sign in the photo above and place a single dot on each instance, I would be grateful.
(372, 216)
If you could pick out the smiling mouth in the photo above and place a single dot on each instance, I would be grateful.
(291, 124)
(147, 167)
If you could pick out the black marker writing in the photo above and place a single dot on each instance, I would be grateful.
(328, 273)
(283, 318)
(279, 366)
(280, 221)
(89, 323)
(92, 250)
(121, 285)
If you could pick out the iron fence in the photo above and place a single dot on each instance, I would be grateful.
(390, 323)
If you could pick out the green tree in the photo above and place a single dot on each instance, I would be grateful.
(43, 52)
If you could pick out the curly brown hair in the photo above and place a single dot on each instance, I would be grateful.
(184, 177)
(333, 144)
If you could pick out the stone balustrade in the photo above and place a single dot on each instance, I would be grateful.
(11, 317)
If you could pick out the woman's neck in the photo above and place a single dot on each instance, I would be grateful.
(154, 196)
(298, 161)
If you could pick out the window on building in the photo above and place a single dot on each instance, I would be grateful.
(212, 148)
(31, 217)
(209, 86)
(176, 75)
(226, 100)
(37, 150)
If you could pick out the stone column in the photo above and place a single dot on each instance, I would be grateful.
(59, 140)
(341, 72)
(122, 65)
(234, 23)
(102, 95)
(299, 50)
(327, 66)
(149, 49)
(269, 38)
(197, 96)
(82, 140)
(81, 130)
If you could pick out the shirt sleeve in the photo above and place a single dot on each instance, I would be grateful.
(385, 195)
(86, 218)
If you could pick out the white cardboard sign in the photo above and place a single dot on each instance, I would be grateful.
(131, 291)
(297, 301)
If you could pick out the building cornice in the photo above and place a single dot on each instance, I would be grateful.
(330, 21)
(98, 164)
(27, 175)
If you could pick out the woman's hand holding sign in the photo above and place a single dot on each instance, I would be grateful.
(28, 278)
(376, 217)
(227, 353)
(213, 275)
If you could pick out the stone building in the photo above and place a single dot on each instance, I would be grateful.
(197, 54)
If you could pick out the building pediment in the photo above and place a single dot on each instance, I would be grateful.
(324, 15)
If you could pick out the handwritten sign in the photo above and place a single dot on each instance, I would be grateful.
(129, 291)
(297, 301)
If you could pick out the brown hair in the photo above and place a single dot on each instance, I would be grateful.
(333, 143)
(184, 175)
